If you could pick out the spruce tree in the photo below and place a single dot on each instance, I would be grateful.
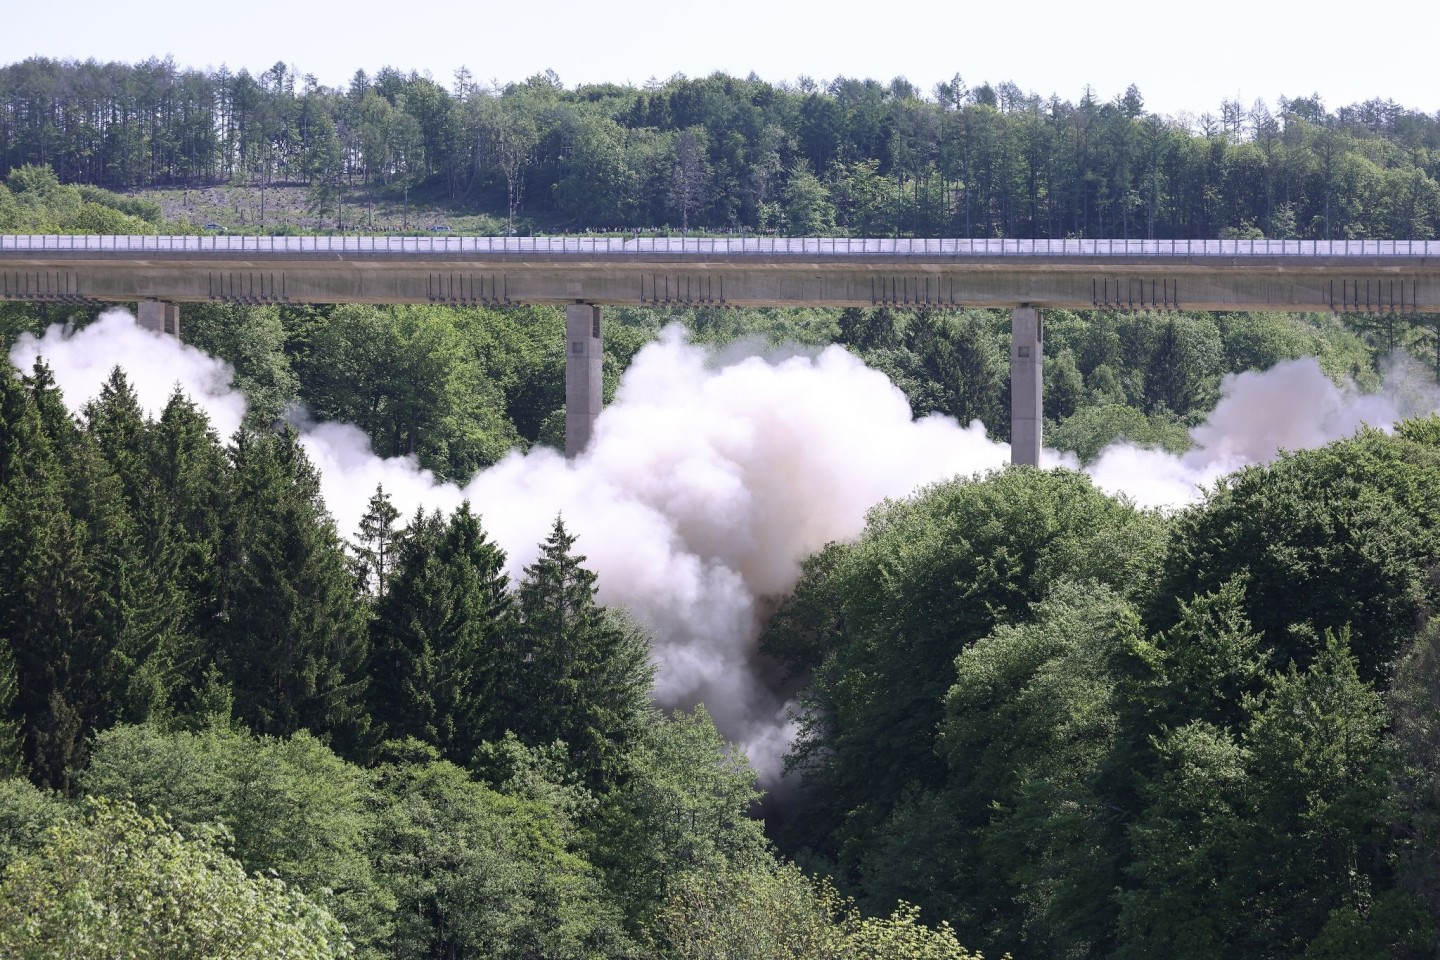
(439, 635)
(12, 761)
(74, 586)
(580, 673)
(374, 545)
(23, 454)
(192, 489)
(151, 646)
(116, 423)
(290, 631)
(55, 421)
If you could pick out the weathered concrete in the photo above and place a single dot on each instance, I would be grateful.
(1027, 387)
(583, 380)
(158, 315)
(1370, 277)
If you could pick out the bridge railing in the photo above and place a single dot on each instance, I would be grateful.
(718, 246)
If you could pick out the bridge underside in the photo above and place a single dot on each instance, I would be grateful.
(1317, 284)
(158, 273)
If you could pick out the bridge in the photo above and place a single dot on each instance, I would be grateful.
(1375, 277)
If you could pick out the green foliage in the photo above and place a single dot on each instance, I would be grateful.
(475, 873)
(183, 518)
(290, 633)
(683, 807)
(26, 815)
(407, 377)
(990, 729)
(953, 364)
(1414, 738)
(855, 156)
(89, 646)
(808, 210)
(1185, 848)
(415, 857)
(577, 672)
(32, 200)
(1145, 379)
(1280, 827)
(124, 884)
(770, 911)
(1198, 757)
(12, 737)
(522, 352)
(155, 656)
(931, 576)
(1258, 341)
(252, 340)
(1093, 428)
(324, 166)
(1029, 729)
(761, 911)
(373, 551)
(632, 327)
(1332, 537)
(440, 634)
(291, 806)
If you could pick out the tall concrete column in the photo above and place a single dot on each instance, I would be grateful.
(159, 316)
(583, 383)
(1027, 386)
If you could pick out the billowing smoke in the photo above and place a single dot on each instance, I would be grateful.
(712, 476)
(1291, 406)
(82, 360)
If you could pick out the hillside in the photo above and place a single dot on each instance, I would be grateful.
(852, 156)
(312, 645)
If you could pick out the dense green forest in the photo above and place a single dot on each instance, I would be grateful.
(435, 763)
(848, 156)
(1058, 725)
(1078, 730)
(1034, 719)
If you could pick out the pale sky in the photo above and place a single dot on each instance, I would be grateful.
(1183, 56)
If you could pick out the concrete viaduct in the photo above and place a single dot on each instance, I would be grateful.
(584, 274)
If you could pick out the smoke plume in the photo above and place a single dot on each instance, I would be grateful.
(1291, 406)
(712, 476)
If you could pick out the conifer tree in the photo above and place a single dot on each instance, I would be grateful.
(192, 490)
(21, 447)
(150, 645)
(374, 545)
(581, 673)
(439, 635)
(55, 420)
(11, 754)
(74, 587)
(290, 631)
(117, 424)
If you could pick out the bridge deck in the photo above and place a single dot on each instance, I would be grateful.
(1398, 276)
(709, 248)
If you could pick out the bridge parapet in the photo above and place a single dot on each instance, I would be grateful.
(1390, 276)
(710, 247)
(1373, 277)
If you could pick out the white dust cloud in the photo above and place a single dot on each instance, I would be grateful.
(155, 363)
(704, 488)
(710, 478)
(1291, 406)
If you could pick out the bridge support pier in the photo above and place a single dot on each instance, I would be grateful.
(158, 315)
(1027, 388)
(583, 381)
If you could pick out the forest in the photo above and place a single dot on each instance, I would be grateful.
(1032, 718)
(854, 157)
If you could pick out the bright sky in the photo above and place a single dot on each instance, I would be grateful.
(1183, 56)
